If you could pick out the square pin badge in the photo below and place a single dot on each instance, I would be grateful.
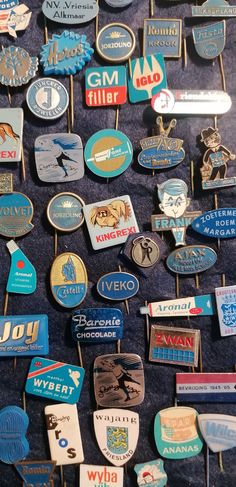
(110, 221)
(162, 36)
(11, 133)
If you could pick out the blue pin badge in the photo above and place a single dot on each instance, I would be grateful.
(209, 40)
(219, 223)
(118, 286)
(151, 474)
(36, 474)
(97, 325)
(191, 259)
(214, 8)
(14, 423)
(22, 278)
(163, 36)
(147, 77)
(115, 42)
(7, 4)
(68, 280)
(16, 213)
(23, 335)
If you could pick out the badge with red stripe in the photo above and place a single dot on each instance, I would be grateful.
(206, 387)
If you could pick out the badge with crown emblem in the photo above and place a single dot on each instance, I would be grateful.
(64, 212)
(115, 42)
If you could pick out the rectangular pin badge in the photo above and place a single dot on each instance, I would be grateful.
(97, 475)
(55, 380)
(11, 133)
(23, 335)
(110, 221)
(64, 436)
(6, 183)
(105, 86)
(163, 36)
(206, 387)
(226, 308)
(171, 345)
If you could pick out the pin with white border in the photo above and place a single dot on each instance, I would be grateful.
(151, 474)
(11, 136)
(15, 19)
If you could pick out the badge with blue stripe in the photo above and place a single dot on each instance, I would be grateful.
(206, 387)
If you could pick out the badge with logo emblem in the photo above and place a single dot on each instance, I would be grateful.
(191, 259)
(115, 42)
(17, 67)
(75, 12)
(59, 158)
(161, 151)
(174, 201)
(117, 434)
(36, 474)
(209, 40)
(14, 19)
(214, 8)
(64, 212)
(176, 433)
(118, 286)
(191, 102)
(226, 309)
(6, 4)
(97, 475)
(14, 423)
(54, 380)
(11, 133)
(118, 380)
(194, 306)
(218, 431)
(6, 183)
(151, 474)
(163, 36)
(215, 161)
(108, 153)
(206, 387)
(23, 335)
(220, 223)
(109, 222)
(142, 252)
(22, 278)
(64, 436)
(97, 325)
(47, 98)
(105, 86)
(68, 280)
(16, 213)
(65, 54)
(147, 77)
(174, 345)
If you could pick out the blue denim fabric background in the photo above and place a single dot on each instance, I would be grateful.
(136, 121)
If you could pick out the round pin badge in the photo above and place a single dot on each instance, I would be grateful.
(65, 213)
(17, 67)
(47, 98)
(115, 42)
(145, 252)
(108, 153)
(68, 280)
(16, 213)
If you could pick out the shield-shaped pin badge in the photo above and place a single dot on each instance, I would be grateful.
(218, 431)
(209, 40)
(119, 380)
(117, 434)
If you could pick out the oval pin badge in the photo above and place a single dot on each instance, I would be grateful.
(115, 42)
(118, 3)
(47, 98)
(108, 153)
(118, 286)
(74, 12)
(191, 259)
(68, 280)
(16, 213)
(64, 212)
(220, 223)
(17, 67)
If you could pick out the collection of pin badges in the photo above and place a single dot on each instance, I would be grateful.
(118, 378)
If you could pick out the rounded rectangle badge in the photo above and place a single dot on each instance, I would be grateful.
(55, 380)
(147, 77)
(99, 475)
(97, 325)
(11, 133)
(105, 86)
(23, 335)
(163, 36)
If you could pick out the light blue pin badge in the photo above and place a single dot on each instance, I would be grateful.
(22, 278)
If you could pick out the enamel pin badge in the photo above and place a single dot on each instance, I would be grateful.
(195, 306)
(108, 153)
(117, 434)
(163, 36)
(147, 77)
(105, 86)
(118, 380)
(226, 309)
(65, 212)
(171, 345)
(22, 277)
(16, 213)
(115, 42)
(118, 3)
(191, 259)
(64, 435)
(6, 183)
(191, 102)
(218, 431)
(206, 387)
(94, 475)
(220, 223)
(47, 98)
(209, 40)
(109, 222)
(36, 474)
(161, 151)
(215, 161)
(14, 20)
(214, 8)
(65, 54)
(75, 12)
(142, 252)
(7, 4)
(151, 474)
(176, 433)
(97, 325)
(68, 280)
(54, 380)
(118, 286)
(14, 445)
(23, 335)
(17, 67)
(174, 201)
(11, 133)
(59, 158)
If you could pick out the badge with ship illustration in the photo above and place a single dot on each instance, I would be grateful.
(11, 133)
